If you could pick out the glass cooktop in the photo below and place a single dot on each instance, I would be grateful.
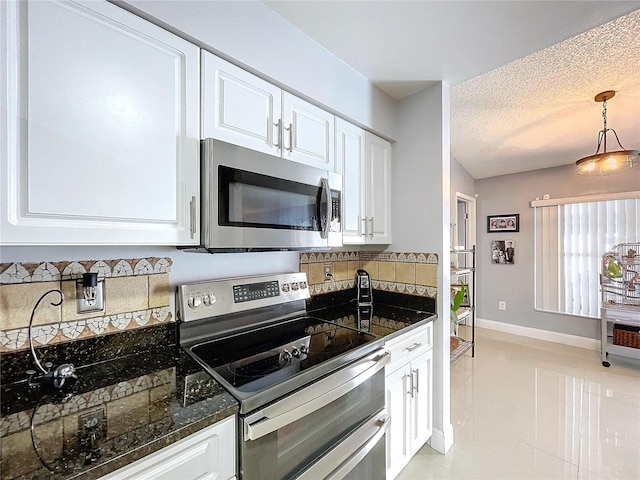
(258, 359)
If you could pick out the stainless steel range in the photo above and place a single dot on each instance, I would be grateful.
(311, 392)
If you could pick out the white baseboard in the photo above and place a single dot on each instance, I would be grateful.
(441, 441)
(549, 336)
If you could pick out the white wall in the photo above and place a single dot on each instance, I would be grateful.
(421, 217)
(255, 37)
(515, 283)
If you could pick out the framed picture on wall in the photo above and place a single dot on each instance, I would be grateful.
(503, 223)
(503, 252)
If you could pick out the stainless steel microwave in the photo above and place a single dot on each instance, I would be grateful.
(252, 201)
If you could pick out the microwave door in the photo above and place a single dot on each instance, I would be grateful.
(257, 201)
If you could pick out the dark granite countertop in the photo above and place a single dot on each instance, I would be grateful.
(138, 393)
(390, 315)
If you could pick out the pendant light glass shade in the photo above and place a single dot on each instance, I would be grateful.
(607, 163)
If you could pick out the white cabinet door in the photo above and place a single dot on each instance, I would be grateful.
(100, 131)
(308, 133)
(398, 407)
(422, 398)
(378, 189)
(209, 454)
(350, 156)
(240, 108)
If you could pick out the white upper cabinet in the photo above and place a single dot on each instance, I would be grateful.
(378, 189)
(350, 155)
(308, 133)
(100, 130)
(242, 109)
(366, 177)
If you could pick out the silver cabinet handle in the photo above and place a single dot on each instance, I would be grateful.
(290, 130)
(313, 397)
(371, 223)
(278, 143)
(410, 379)
(413, 347)
(416, 385)
(192, 216)
(362, 226)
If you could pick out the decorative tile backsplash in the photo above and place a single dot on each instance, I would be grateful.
(136, 295)
(410, 273)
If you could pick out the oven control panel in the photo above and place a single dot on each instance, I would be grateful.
(200, 300)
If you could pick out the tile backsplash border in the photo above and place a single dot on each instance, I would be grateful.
(412, 273)
(62, 324)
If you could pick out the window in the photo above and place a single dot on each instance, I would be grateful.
(571, 235)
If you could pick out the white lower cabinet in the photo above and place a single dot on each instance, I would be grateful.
(409, 397)
(209, 454)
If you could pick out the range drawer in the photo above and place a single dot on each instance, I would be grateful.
(408, 346)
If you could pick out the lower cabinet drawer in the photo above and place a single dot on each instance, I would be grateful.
(206, 455)
(407, 346)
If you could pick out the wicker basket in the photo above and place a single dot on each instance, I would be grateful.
(626, 336)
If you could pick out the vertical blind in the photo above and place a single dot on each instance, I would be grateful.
(570, 240)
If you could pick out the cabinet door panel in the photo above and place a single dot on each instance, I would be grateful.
(378, 189)
(102, 140)
(421, 424)
(309, 133)
(351, 156)
(238, 107)
(398, 407)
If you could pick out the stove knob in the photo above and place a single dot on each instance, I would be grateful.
(194, 302)
(285, 287)
(303, 349)
(295, 352)
(286, 356)
(209, 299)
(294, 286)
(303, 285)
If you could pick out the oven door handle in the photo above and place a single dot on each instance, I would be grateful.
(315, 396)
(344, 457)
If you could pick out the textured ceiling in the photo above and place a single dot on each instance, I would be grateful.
(523, 73)
(539, 111)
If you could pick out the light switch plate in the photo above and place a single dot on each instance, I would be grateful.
(82, 306)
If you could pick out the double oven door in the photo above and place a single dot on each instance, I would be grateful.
(334, 428)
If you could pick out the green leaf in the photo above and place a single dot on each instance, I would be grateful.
(458, 298)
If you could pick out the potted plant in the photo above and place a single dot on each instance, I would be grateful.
(457, 297)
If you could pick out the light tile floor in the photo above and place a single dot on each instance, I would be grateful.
(529, 409)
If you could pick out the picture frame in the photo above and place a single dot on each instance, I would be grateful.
(503, 223)
(503, 252)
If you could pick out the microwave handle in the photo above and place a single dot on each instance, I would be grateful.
(326, 200)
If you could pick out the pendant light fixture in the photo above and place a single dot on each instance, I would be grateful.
(606, 163)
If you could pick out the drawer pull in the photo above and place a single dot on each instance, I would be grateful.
(413, 347)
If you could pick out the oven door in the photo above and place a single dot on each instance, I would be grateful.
(256, 201)
(331, 428)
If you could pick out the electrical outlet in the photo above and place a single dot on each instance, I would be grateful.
(328, 272)
(83, 306)
(502, 305)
